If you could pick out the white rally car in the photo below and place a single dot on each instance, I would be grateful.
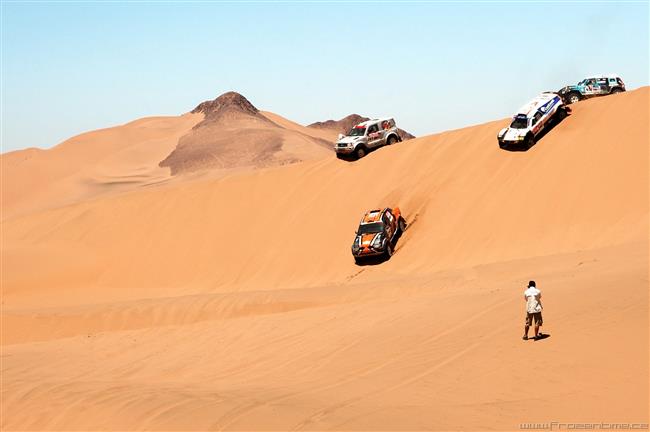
(367, 136)
(531, 119)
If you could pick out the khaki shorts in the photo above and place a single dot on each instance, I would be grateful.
(537, 316)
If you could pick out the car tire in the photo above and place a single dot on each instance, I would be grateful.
(561, 114)
(616, 90)
(391, 140)
(389, 250)
(503, 145)
(360, 152)
(401, 225)
(529, 141)
(573, 97)
(357, 260)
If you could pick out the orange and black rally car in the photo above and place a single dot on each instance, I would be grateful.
(377, 232)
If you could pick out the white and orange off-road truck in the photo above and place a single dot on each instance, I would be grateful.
(377, 233)
(367, 136)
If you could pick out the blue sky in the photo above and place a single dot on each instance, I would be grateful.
(70, 67)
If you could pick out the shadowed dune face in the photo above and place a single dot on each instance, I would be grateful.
(217, 148)
(235, 304)
(236, 134)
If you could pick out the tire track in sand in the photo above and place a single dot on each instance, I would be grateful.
(234, 415)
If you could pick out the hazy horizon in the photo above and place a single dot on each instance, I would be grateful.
(73, 67)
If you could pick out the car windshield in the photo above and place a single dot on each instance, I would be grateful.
(370, 228)
(357, 131)
(583, 82)
(519, 123)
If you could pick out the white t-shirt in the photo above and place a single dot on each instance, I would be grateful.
(533, 300)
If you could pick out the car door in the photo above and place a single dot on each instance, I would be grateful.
(389, 223)
(602, 86)
(591, 88)
(537, 122)
(385, 129)
(374, 135)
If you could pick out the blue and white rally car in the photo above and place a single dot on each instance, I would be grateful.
(531, 119)
(596, 85)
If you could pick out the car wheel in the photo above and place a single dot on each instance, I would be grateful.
(391, 140)
(360, 152)
(616, 90)
(503, 145)
(389, 250)
(402, 225)
(357, 260)
(530, 141)
(561, 114)
(574, 97)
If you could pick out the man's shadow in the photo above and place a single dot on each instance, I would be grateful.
(541, 336)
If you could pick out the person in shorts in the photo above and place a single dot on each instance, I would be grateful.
(533, 297)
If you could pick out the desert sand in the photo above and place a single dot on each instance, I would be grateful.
(233, 303)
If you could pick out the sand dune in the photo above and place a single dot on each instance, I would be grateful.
(217, 138)
(236, 134)
(234, 303)
(107, 160)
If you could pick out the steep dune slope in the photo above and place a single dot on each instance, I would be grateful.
(234, 304)
(468, 203)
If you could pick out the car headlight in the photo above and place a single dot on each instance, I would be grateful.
(376, 243)
(355, 245)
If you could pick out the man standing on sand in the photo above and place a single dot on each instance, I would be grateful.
(533, 298)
